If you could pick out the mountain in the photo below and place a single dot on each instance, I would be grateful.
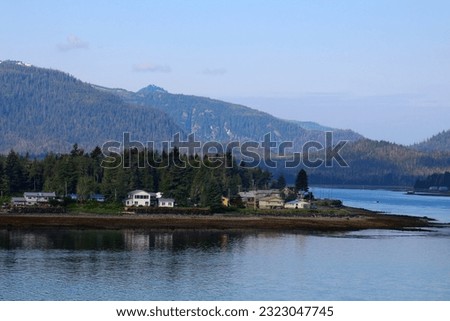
(375, 163)
(212, 119)
(45, 110)
(437, 143)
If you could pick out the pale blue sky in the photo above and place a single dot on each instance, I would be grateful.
(379, 67)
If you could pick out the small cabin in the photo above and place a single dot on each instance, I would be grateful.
(166, 202)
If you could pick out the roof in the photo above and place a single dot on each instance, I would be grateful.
(39, 194)
(97, 196)
(18, 199)
(166, 200)
(138, 191)
(296, 202)
(271, 197)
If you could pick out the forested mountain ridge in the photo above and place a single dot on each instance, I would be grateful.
(375, 163)
(212, 119)
(44, 110)
(438, 142)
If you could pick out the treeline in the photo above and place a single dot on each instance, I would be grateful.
(437, 179)
(202, 182)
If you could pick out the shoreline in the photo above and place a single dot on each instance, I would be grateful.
(355, 219)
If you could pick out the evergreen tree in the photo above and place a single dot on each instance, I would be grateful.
(281, 182)
(301, 182)
(14, 173)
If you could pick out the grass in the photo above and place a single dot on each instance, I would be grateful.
(94, 207)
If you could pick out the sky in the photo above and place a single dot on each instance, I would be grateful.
(381, 68)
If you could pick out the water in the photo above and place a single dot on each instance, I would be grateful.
(396, 202)
(208, 265)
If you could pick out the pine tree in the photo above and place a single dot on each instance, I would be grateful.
(301, 183)
(281, 182)
(14, 173)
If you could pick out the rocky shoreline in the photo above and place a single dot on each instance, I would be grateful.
(354, 219)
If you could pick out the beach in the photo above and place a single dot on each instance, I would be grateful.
(354, 219)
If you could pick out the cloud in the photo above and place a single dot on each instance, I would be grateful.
(72, 43)
(214, 72)
(147, 67)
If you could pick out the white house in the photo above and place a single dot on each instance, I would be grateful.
(297, 204)
(18, 201)
(33, 198)
(166, 202)
(140, 198)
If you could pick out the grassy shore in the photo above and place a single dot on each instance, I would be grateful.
(344, 219)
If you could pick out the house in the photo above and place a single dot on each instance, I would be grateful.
(271, 202)
(166, 202)
(252, 198)
(140, 198)
(97, 197)
(18, 201)
(248, 198)
(73, 196)
(297, 204)
(225, 201)
(34, 198)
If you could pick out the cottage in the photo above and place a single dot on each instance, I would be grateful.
(253, 198)
(271, 202)
(166, 202)
(34, 198)
(297, 204)
(18, 201)
(140, 198)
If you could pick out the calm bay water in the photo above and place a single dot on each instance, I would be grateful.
(205, 265)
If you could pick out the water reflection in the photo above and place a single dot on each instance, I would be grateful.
(223, 265)
(129, 240)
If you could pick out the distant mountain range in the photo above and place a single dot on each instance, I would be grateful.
(47, 110)
(43, 110)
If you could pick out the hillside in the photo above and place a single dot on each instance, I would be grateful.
(380, 163)
(44, 110)
(212, 119)
(438, 142)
